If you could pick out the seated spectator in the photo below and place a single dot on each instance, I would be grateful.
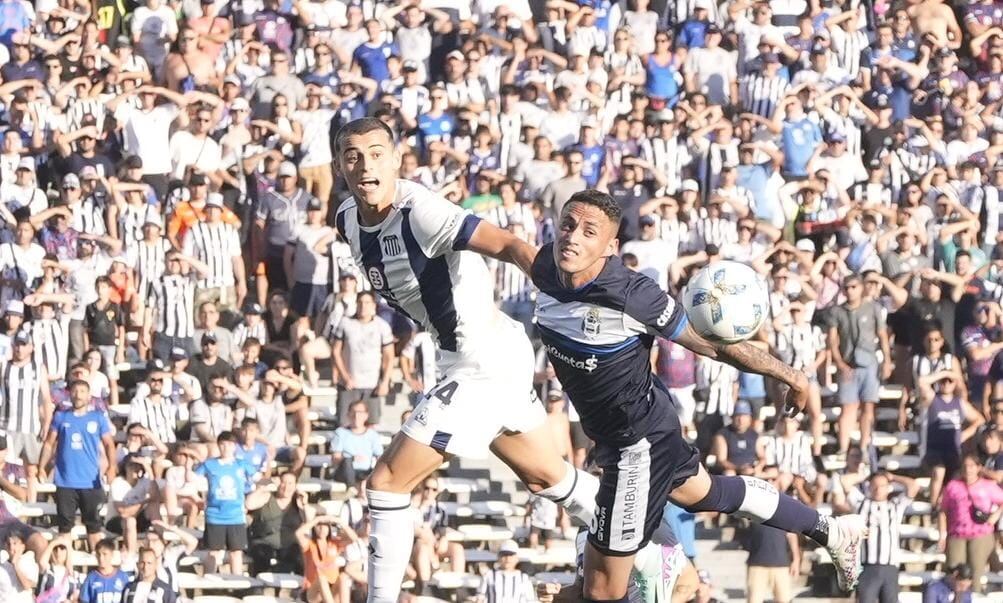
(735, 446)
(57, 581)
(169, 555)
(275, 518)
(322, 540)
(431, 542)
(107, 581)
(355, 446)
(955, 587)
(19, 574)
(135, 501)
(506, 583)
(147, 585)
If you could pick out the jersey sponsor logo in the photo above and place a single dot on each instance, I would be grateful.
(666, 315)
(589, 364)
(591, 324)
(630, 497)
(376, 278)
(391, 245)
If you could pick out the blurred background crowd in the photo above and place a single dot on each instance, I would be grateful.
(169, 269)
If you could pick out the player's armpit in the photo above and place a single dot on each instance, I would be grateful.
(487, 239)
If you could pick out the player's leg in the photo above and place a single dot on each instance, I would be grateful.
(761, 502)
(399, 470)
(533, 456)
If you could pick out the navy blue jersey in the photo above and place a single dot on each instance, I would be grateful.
(599, 338)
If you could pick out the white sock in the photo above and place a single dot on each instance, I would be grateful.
(576, 492)
(391, 537)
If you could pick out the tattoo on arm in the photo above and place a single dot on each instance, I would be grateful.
(752, 359)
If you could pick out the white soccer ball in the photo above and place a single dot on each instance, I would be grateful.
(726, 301)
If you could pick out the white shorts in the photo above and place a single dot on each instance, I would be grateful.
(476, 400)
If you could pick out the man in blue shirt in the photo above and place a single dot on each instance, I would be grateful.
(355, 447)
(106, 583)
(800, 136)
(225, 527)
(955, 587)
(76, 438)
(370, 58)
(592, 150)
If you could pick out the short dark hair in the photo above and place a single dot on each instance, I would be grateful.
(356, 127)
(106, 544)
(226, 436)
(603, 201)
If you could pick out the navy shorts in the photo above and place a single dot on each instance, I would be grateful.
(635, 485)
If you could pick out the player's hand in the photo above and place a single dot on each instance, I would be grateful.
(797, 396)
(545, 591)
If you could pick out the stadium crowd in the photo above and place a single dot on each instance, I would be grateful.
(176, 302)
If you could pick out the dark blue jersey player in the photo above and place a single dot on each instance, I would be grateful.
(598, 320)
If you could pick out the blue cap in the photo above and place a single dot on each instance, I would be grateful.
(742, 408)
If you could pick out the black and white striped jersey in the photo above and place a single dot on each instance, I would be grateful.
(20, 396)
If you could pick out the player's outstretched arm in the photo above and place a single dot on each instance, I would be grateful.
(502, 245)
(751, 359)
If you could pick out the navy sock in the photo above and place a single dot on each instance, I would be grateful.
(760, 501)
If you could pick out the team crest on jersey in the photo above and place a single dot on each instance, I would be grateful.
(591, 323)
(376, 278)
(391, 246)
(92, 427)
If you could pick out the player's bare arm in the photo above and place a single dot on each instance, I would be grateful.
(750, 358)
(502, 245)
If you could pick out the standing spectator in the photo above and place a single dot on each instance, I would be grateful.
(106, 583)
(74, 440)
(774, 559)
(147, 587)
(967, 519)
(857, 327)
(950, 421)
(216, 244)
(308, 262)
(25, 406)
(355, 446)
(104, 322)
(281, 213)
(363, 353)
(880, 552)
(557, 193)
(228, 479)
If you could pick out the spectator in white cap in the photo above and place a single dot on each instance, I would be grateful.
(506, 583)
(280, 214)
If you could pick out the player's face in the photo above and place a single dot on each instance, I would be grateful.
(370, 163)
(585, 236)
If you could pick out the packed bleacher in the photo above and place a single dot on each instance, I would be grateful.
(196, 378)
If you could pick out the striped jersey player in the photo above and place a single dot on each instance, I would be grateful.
(420, 253)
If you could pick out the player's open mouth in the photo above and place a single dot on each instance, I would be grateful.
(369, 184)
(568, 253)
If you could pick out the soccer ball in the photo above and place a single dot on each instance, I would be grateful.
(726, 301)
